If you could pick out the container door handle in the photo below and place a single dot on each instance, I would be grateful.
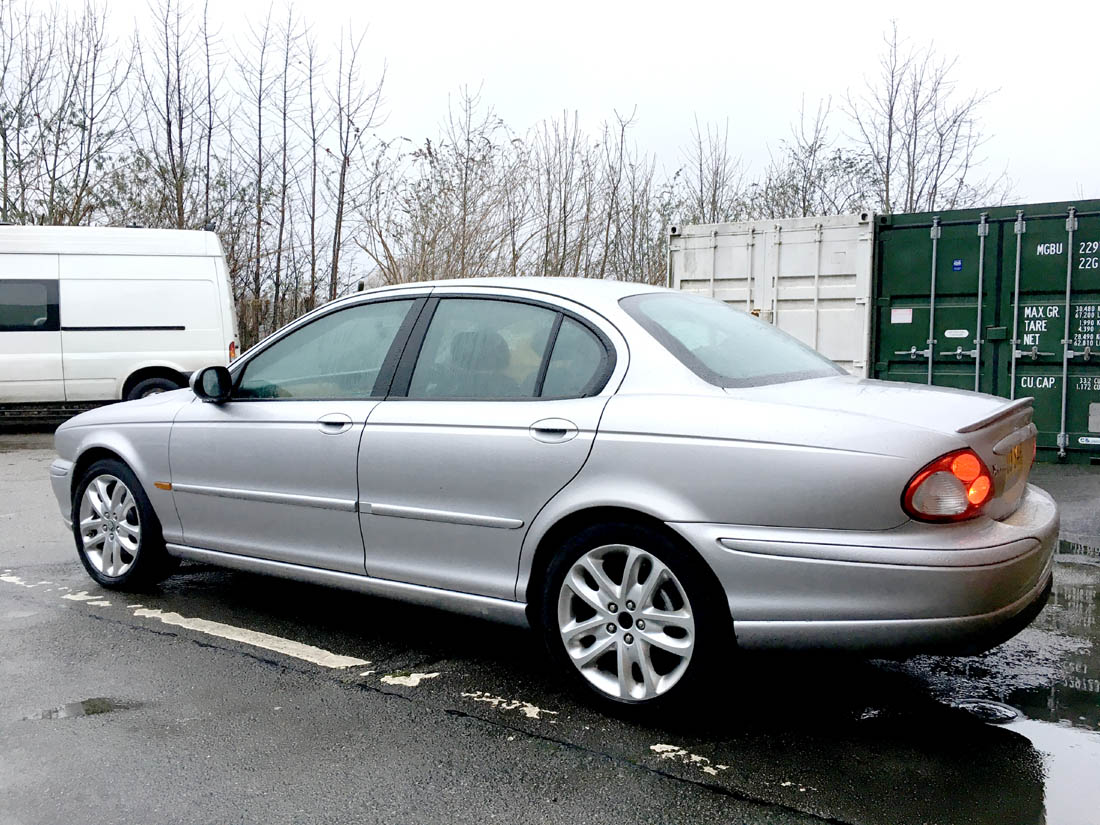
(334, 423)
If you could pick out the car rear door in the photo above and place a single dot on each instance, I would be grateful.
(494, 409)
(272, 472)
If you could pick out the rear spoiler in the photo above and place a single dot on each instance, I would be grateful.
(1019, 405)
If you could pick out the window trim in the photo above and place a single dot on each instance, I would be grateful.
(385, 371)
(399, 386)
(53, 306)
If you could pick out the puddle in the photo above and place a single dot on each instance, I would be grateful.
(89, 707)
(1076, 548)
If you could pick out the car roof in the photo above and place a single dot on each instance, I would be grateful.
(597, 293)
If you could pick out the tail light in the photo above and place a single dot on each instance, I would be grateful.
(951, 488)
(232, 350)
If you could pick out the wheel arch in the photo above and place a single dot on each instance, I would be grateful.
(573, 522)
(152, 371)
(143, 450)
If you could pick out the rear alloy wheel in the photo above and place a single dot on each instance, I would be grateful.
(117, 533)
(625, 610)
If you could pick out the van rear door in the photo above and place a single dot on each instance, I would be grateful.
(30, 330)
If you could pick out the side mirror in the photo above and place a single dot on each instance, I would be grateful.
(213, 384)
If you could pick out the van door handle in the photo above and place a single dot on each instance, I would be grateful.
(553, 430)
(334, 423)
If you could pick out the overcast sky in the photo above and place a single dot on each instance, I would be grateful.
(750, 63)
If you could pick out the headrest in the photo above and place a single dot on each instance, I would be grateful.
(480, 350)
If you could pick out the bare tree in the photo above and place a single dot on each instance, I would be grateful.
(922, 136)
(355, 115)
(712, 179)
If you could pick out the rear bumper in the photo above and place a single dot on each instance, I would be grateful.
(919, 588)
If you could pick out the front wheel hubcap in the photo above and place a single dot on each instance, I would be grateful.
(633, 654)
(110, 526)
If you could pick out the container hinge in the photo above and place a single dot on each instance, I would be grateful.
(1032, 353)
(1020, 227)
(959, 352)
(1071, 221)
(983, 226)
(1063, 441)
(913, 352)
(1086, 353)
(937, 230)
(861, 301)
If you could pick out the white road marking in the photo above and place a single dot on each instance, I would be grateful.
(82, 596)
(100, 603)
(681, 755)
(15, 580)
(526, 708)
(407, 679)
(287, 647)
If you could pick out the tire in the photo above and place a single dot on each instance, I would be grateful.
(151, 386)
(684, 631)
(125, 550)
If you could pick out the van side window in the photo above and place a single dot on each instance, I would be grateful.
(338, 356)
(28, 306)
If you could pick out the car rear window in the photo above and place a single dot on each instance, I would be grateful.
(723, 345)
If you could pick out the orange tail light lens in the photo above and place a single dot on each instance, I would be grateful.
(954, 487)
(232, 350)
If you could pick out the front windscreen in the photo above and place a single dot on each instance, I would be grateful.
(722, 345)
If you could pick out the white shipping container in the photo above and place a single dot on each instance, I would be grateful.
(811, 277)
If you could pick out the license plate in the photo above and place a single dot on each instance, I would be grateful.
(1016, 459)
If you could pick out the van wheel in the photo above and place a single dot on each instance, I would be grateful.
(152, 386)
(118, 536)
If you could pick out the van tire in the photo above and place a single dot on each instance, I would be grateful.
(152, 386)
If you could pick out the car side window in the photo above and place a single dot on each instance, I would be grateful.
(577, 361)
(482, 349)
(28, 306)
(339, 355)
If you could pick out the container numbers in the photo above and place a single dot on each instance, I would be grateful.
(1088, 248)
(1089, 383)
(1088, 263)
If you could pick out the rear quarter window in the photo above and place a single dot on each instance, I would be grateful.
(722, 345)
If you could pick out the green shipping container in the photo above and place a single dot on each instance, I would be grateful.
(1004, 300)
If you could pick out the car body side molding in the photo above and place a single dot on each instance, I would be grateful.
(485, 607)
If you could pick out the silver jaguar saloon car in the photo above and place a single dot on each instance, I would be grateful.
(650, 479)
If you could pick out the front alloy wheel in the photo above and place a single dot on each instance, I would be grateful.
(110, 526)
(118, 536)
(626, 622)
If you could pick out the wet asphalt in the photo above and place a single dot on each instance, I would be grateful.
(109, 713)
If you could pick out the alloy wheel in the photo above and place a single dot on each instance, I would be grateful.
(110, 527)
(626, 622)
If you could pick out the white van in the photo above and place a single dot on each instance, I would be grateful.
(91, 314)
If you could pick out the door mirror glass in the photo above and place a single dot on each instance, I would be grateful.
(213, 384)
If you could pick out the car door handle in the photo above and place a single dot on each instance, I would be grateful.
(553, 430)
(334, 423)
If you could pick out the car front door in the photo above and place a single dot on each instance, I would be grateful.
(272, 472)
(494, 409)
